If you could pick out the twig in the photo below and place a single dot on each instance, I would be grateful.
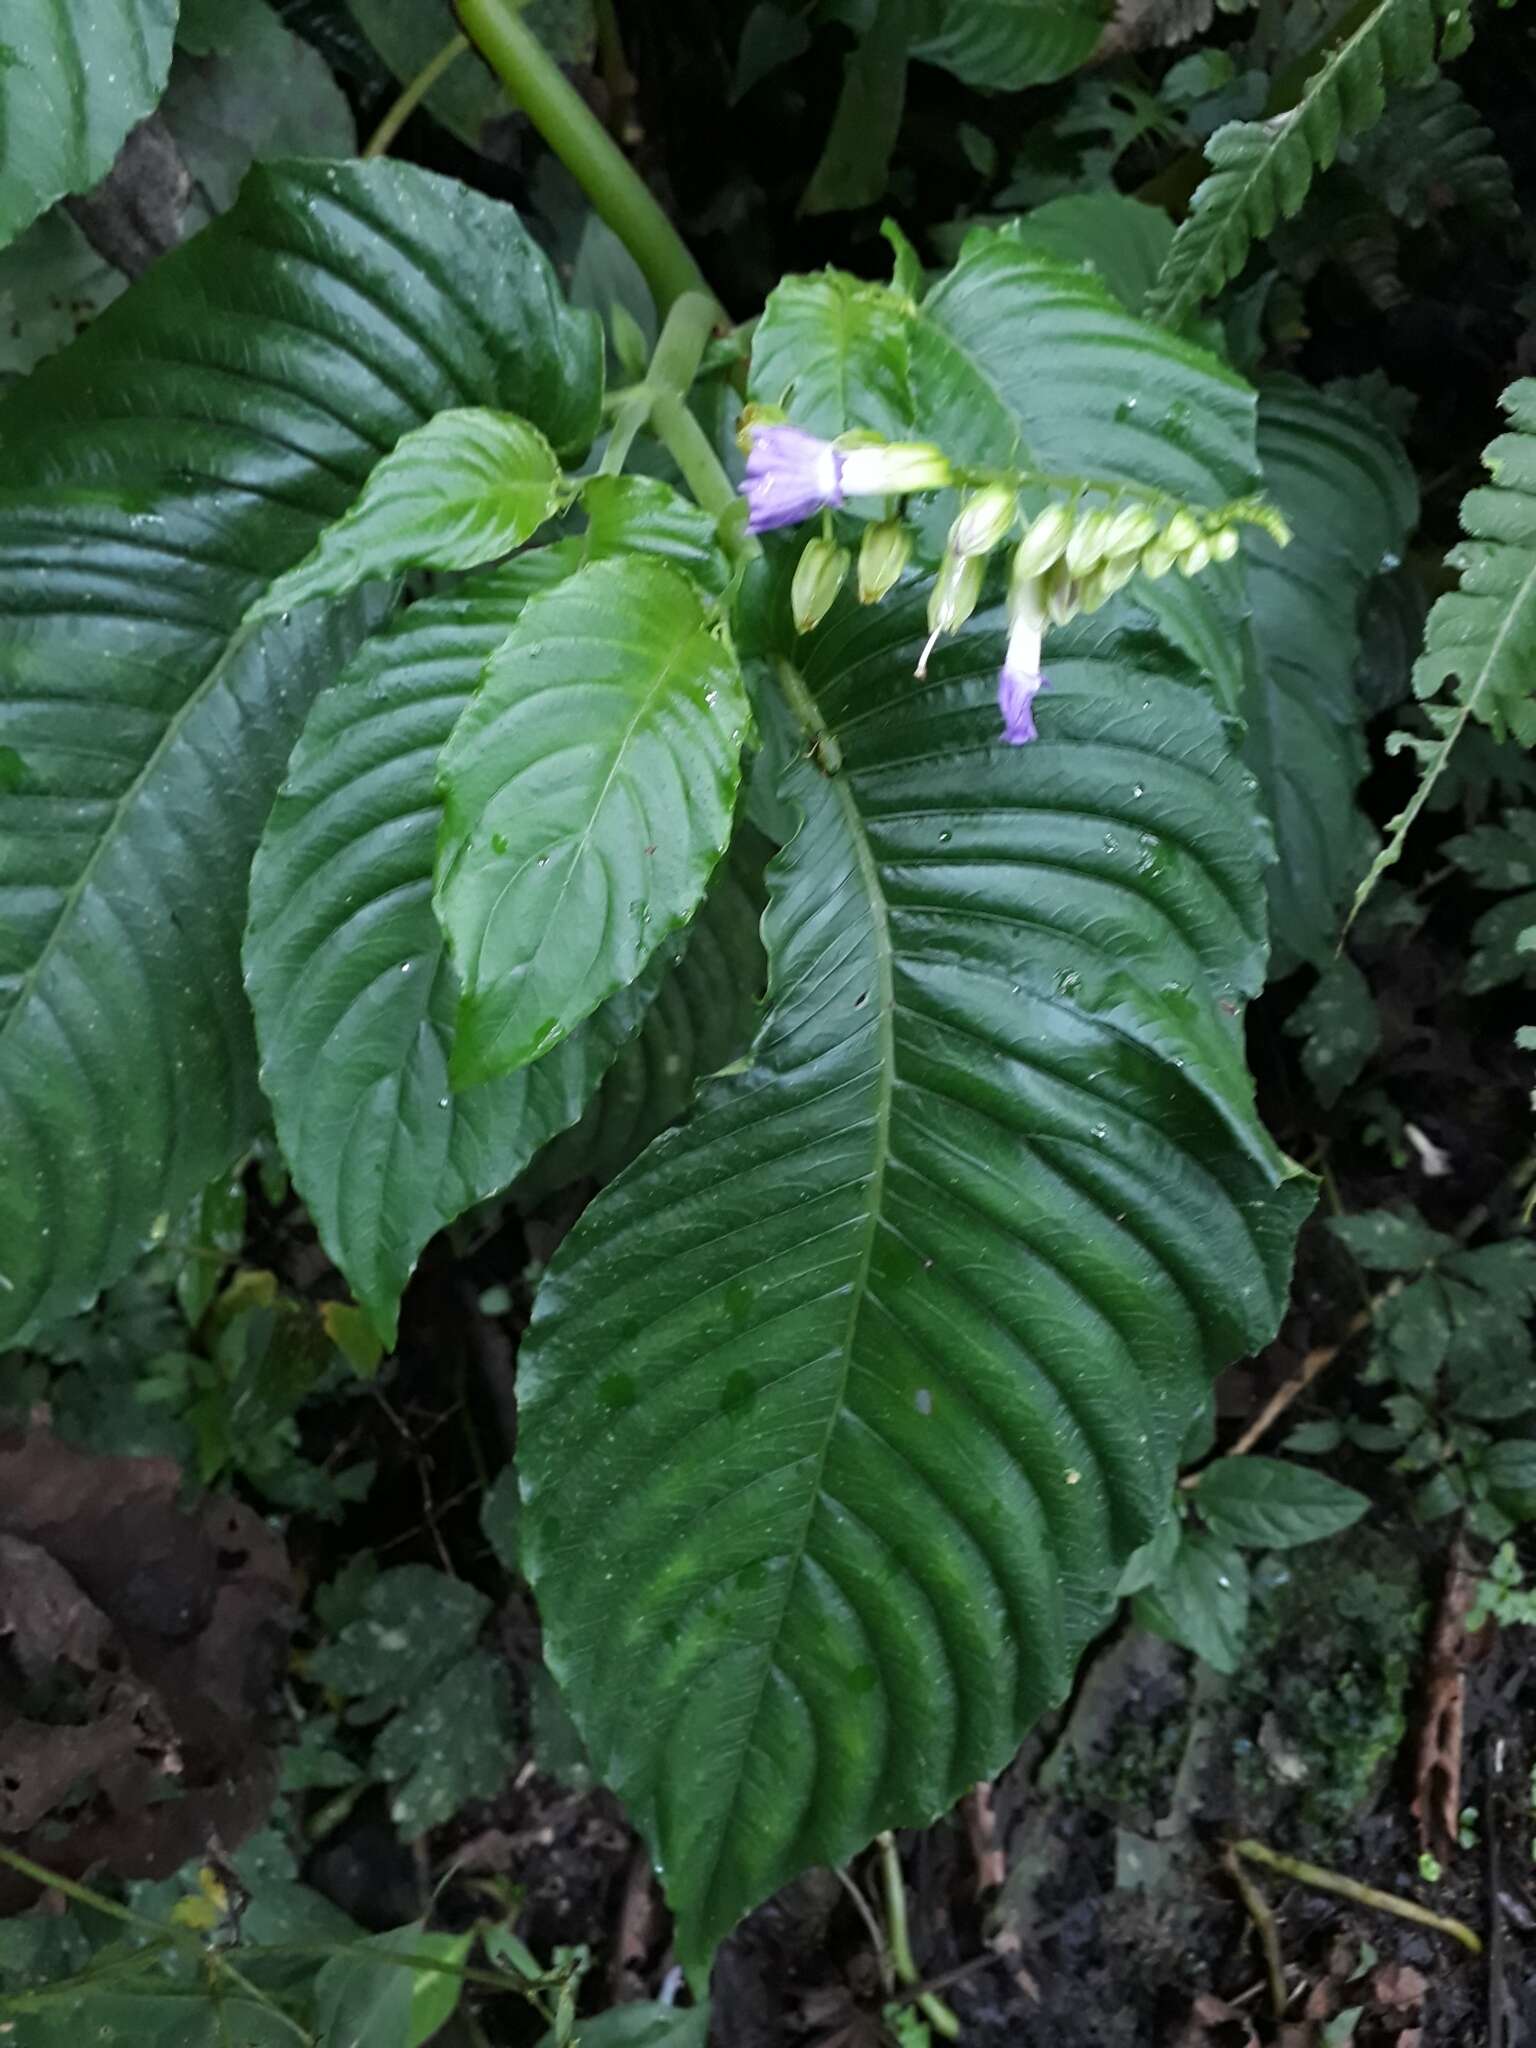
(412, 95)
(934, 2010)
(1322, 1880)
(1264, 1926)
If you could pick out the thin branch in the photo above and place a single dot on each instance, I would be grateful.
(1322, 1880)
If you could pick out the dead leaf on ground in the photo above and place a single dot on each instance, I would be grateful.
(141, 1650)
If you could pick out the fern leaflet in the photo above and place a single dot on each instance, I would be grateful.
(1262, 170)
(1484, 632)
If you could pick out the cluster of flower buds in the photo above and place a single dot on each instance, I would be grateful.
(1069, 559)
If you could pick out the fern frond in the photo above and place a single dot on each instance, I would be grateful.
(1433, 151)
(1483, 633)
(1262, 170)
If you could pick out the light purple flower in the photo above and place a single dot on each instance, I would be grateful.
(1019, 682)
(790, 476)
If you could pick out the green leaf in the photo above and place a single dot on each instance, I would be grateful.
(449, 1744)
(843, 1407)
(1004, 45)
(1386, 1242)
(1123, 240)
(354, 996)
(415, 1622)
(72, 84)
(160, 474)
(501, 1519)
(1262, 170)
(587, 795)
(1202, 1603)
(703, 1017)
(834, 351)
(1271, 1505)
(147, 2019)
(468, 486)
(1339, 1028)
(629, 515)
(1510, 1469)
(1433, 152)
(1348, 494)
(643, 2026)
(467, 99)
(854, 167)
(363, 2002)
(52, 283)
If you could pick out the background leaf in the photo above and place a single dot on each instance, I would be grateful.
(587, 795)
(72, 84)
(1201, 1601)
(1003, 45)
(843, 1407)
(1271, 1505)
(160, 472)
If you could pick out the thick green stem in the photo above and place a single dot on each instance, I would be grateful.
(584, 146)
(673, 367)
(412, 96)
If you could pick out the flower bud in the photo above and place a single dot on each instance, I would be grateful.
(819, 577)
(1181, 532)
(1223, 543)
(1085, 544)
(1027, 604)
(1061, 595)
(1116, 572)
(883, 554)
(955, 593)
(1157, 558)
(1043, 542)
(892, 468)
(1129, 531)
(754, 416)
(986, 518)
(1195, 557)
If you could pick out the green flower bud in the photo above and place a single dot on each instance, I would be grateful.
(1116, 572)
(754, 416)
(1157, 558)
(819, 577)
(1195, 557)
(883, 554)
(986, 518)
(1129, 531)
(1223, 543)
(955, 593)
(1061, 594)
(1043, 542)
(1181, 532)
(893, 468)
(1085, 544)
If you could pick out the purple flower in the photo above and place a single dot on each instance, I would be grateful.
(1019, 682)
(790, 476)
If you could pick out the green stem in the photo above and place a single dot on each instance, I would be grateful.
(689, 447)
(411, 97)
(673, 367)
(1363, 1894)
(934, 2010)
(584, 146)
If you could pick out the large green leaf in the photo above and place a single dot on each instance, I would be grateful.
(835, 351)
(1348, 493)
(73, 81)
(1007, 44)
(587, 795)
(160, 473)
(843, 1406)
(347, 970)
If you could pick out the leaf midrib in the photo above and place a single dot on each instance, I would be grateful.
(885, 1041)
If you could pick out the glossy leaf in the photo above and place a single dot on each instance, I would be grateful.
(160, 474)
(1004, 45)
(1271, 1505)
(73, 81)
(1201, 1601)
(346, 967)
(1349, 496)
(629, 515)
(835, 352)
(587, 795)
(1123, 240)
(1262, 170)
(844, 1406)
(468, 486)
(703, 1016)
